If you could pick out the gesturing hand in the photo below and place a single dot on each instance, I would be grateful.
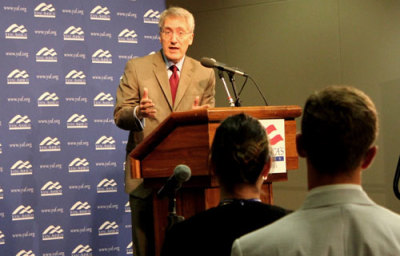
(146, 106)
(196, 104)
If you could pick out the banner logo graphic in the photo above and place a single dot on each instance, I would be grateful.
(15, 31)
(102, 57)
(80, 209)
(53, 233)
(103, 100)
(75, 77)
(151, 16)
(100, 13)
(19, 122)
(25, 253)
(275, 129)
(73, 33)
(44, 10)
(129, 248)
(21, 168)
(108, 228)
(82, 250)
(23, 213)
(18, 77)
(49, 144)
(274, 138)
(46, 55)
(128, 36)
(48, 100)
(107, 186)
(127, 207)
(51, 189)
(105, 143)
(78, 165)
(77, 121)
(2, 238)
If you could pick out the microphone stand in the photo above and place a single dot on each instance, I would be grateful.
(173, 218)
(232, 79)
(221, 76)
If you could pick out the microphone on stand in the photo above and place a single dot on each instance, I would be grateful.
(181, 174)
(212, 63)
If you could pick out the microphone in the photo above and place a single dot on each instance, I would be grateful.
(181, 174)
(212, 63)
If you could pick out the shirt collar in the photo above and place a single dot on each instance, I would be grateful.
(325, 188)
(168, 63)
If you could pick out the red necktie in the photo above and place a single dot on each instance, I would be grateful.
(173, 81)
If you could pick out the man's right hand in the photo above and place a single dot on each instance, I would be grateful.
(146, 106)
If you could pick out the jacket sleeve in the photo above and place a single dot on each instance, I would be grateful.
(209, 93)
(127, 98)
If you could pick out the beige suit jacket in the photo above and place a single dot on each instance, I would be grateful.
(151, 72)
(335, 222)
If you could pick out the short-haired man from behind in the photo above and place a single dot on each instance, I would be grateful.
(239, 152)
(338, 132)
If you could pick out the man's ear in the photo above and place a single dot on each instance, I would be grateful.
(369, 156)
(191, 39)
(300, 145)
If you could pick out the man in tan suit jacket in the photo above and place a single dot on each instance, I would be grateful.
(144, 100)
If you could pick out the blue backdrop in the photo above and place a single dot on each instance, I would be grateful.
(61, 155)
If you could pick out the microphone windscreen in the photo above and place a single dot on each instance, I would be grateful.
(208, 62)
(182, 173)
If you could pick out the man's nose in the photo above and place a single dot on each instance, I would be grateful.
(174, 37)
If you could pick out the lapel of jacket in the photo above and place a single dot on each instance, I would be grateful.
(162, 77)
(184, 80)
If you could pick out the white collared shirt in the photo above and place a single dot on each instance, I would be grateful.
(168, 64)
(320, 189)
(178, 65)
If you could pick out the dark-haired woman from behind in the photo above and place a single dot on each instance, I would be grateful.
(240, 158)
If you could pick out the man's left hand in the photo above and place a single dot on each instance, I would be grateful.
(196, 104)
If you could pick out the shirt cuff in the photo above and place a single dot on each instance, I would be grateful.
(141, 121)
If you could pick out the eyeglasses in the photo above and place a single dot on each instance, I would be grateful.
(180, 34)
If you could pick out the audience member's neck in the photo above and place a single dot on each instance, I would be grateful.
(243, 191)
(316, 179)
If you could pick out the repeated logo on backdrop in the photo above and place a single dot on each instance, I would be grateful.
(61, 155)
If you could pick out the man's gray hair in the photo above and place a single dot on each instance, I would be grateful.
(177, 12)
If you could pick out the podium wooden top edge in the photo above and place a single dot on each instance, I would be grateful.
(210, 115)
(267, 112)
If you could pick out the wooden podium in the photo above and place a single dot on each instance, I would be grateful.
(186, 138)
